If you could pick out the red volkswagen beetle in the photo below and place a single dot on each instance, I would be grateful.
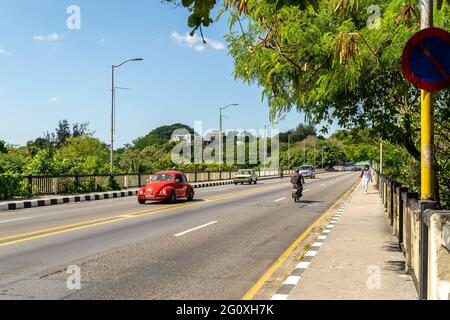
(167, 186)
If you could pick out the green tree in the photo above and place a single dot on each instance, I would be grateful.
(42, 163)
(84, 155)
(160, 136)
(3, 147)
(300, 133)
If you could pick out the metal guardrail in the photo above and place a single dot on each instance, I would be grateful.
(410, 221)
(46, 185)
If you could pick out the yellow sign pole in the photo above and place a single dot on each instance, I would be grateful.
(427, 146)
(427, 118)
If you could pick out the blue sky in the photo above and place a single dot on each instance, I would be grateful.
(49, 72)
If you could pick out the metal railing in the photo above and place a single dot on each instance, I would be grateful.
(410, 219)
(46, 185)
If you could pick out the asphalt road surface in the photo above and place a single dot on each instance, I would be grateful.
(216, 247)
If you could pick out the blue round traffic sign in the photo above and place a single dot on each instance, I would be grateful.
(426, 59)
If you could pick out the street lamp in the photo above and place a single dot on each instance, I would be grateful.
(221, 129)
(113, 102)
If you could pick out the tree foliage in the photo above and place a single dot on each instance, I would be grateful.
(332, 60)
(159, 136)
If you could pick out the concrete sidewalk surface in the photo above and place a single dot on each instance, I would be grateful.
(360, 258)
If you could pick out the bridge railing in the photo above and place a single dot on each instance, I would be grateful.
(68, 184)
(423, 236)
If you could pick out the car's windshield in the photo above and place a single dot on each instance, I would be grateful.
(245, 172)
(305, 168)
(162, 177)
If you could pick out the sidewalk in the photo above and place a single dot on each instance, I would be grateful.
(356, 258)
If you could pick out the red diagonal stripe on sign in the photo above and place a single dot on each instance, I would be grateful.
(434, 62)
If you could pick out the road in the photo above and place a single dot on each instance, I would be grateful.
(214, 248)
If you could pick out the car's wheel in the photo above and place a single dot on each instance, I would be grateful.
(256, 181)
(173, 198)
(141, 201)
(191, 196)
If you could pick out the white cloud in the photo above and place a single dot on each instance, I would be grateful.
(200, 48)
(54, 100)
(49, 37)
(216, 45)
(4, 52)
(196, 42)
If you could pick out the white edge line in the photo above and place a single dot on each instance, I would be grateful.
(195, 229)
(311, 253)
(292, 280)
(303, 265)
(280, 199)
(279, 297)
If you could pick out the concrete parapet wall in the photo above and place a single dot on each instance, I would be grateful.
(439, 256)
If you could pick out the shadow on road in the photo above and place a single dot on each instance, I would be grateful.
(170, 204)
(309, 201)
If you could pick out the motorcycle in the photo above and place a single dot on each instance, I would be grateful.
(296, 194)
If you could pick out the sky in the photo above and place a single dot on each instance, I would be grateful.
(49, 72)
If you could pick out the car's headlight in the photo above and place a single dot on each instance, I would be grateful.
(150, 190)
(164, 191)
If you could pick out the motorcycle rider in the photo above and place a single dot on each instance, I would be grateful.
(298, 180)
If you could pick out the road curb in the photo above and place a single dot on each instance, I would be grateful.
(27, 204)
(35, 203)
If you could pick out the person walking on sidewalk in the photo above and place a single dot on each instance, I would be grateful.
(366, 176)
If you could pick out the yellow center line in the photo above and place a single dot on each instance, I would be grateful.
(39, 234)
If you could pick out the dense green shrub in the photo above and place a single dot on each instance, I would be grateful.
(13, 185)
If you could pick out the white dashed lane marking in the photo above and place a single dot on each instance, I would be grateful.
(195, 229)
(279, 200)
(13, 220)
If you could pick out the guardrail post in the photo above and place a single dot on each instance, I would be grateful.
(391, 201)
(30, 185)
(426, 210)
(401, 211)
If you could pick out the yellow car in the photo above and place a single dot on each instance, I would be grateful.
(246, 176)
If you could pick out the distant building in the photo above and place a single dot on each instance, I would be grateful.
(211, 136)
(182, 138)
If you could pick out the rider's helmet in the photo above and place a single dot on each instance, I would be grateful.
(297, 171)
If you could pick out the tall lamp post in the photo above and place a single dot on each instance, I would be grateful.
(113, 102)
(221, 131)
